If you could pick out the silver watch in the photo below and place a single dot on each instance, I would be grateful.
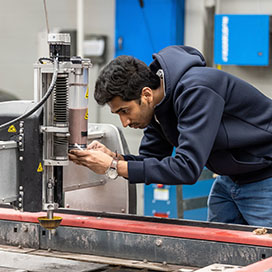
(111, 172)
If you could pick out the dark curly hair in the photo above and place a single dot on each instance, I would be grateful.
(125, 76)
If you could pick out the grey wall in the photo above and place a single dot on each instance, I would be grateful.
(196, 12)
(20, 23)
(261, 77)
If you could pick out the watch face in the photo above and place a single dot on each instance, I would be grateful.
(112, 173)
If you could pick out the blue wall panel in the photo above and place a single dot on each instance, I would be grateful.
(241, 39)
(141, 31)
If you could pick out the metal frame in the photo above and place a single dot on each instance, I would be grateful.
(178, 242)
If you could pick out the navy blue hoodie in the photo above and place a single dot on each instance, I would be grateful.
(213, 119)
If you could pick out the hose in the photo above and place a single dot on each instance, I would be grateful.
(42, 101)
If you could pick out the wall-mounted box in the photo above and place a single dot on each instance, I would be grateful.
(241, 39)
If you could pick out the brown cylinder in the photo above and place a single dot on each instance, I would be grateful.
(78, 126)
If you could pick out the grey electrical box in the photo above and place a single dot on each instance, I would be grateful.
(8, 170)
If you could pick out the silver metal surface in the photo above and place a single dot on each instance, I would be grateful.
(59, 38)
(219, 268)
(8, 170)
(56, 163)
(81, 185)
(54, 129)
(28, 262)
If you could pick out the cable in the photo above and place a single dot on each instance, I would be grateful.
(46, 16)
(41, 60)
(42, 101)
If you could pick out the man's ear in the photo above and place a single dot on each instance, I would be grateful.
(147, 94)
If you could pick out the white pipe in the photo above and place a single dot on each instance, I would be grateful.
(80, 27)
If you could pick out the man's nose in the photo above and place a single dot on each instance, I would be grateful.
(125, 121)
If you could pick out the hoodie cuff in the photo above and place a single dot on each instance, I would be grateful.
(136, 172)
(127, 157)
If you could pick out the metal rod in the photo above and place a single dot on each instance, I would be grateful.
(46, 16)
(80, 27)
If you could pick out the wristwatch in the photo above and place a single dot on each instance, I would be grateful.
(111, 172)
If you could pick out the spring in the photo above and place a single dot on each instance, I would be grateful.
(61, 115)
(61, 99)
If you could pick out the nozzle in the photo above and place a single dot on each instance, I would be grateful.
(48, 223)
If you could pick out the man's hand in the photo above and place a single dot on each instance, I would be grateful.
(95, 145)
(96, 160)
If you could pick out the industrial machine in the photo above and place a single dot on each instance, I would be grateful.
(35, 138)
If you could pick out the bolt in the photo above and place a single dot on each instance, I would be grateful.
(20, 205)
(158, 242)
(123, 210)
(49, 249)
(67, 206)
(145, 261)
(164, 263)
(20, 199)
(20, 246)
(25, 228)
(21, 158)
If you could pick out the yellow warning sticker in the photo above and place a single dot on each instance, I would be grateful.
(86, 115)
(219, 66)
(12, 129)
(87, 93)
(40, 168)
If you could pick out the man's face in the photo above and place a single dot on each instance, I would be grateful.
(132, 113)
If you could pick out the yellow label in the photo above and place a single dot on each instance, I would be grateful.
(87, 93)
(219, 66)
(86, 115)
(40, 168)
(12, 129)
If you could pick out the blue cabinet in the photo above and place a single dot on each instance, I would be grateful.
(241, 39)
(179, 201)
(143, 27)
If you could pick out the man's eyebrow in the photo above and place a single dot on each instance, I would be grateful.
(118, 110)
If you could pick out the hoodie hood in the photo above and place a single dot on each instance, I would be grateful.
(175, 61)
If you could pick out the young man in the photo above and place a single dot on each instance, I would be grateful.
(212, 118)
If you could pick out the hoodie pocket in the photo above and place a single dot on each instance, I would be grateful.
(236, 162)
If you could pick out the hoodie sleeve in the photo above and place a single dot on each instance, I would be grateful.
(199, 112)
(154, 145)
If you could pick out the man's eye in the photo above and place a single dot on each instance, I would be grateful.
(125, 111)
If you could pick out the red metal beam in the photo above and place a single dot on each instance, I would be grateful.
(132, 226)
